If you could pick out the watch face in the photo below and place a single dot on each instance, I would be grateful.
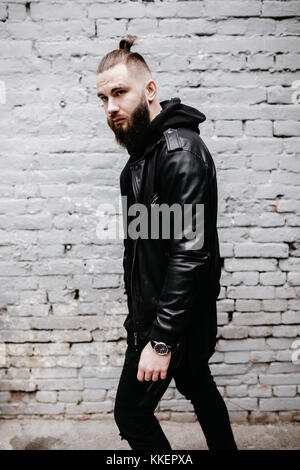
(161, 348)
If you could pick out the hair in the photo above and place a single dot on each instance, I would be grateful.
(125, 56)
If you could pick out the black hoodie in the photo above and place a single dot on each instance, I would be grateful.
(174, 114)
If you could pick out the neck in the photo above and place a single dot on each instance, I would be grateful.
(155, 110)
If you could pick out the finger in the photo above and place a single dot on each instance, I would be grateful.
(163, 375)
(140, 374)
(155, 376)
(148, 376)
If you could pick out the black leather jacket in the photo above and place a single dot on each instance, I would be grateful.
(172, 288)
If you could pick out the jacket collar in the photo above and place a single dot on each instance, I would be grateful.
(147, 139)
(173, 114)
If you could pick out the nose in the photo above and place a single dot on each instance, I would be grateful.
(112, 107)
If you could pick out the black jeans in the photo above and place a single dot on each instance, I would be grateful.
(136, 401)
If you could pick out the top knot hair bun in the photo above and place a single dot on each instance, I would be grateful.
(127, 43)
(123, 55)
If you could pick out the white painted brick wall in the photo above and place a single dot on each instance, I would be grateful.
(62, 305)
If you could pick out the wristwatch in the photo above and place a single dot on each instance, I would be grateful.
(160, 347)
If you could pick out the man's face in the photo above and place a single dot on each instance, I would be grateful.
(124, 98)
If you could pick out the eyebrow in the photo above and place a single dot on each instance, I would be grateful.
(112, 90)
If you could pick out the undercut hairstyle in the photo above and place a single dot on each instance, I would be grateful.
(125, 56)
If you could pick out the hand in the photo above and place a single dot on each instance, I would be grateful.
(152, 364)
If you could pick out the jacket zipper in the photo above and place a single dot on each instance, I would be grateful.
(135, 327)
(131, 282)
(154, 199)
(134, 253)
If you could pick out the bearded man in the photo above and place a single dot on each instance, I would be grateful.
(172, 283)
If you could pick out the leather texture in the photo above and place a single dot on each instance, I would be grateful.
(172, 288)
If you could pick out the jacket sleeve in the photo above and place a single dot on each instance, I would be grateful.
(184, 179)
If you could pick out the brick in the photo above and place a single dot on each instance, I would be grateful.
(286, 234)
(51, 349)
(69, 396)
(232, 331)
(262, 356)
(248, 264)
(258, 128)
(282, 367)
(286, 128)
(83, 408)
(282, 343)
(112, 27)
(260, 62)
(228, 128)
(56, 30)
(290, 317)
(274, 305)
(16, 12)
(54, 11)
(287, 61)
(286, 292)
(232, 27)
(234, 358)
(236, 404)
(117, 11)
(41, 409)
(252, 305)
(275, 404)
(237, 380)
(17, 49)
(4, 396)
(260, 391)
(60, 323)
(274, 278)
(190, 26)
(3, 12)
(232, 391)
(57, 372)
(286, 331)
(257, 292)
(290, 264)
(60, 384)
(280, 379)
(180, 405)
(260, 331)
(24, 385)
(94, 395)
(233, 8)
(285, 355)
(46, 397)
(269, 162)
(246, 277)
(280, 9)
(70, 336)
(240, 345)
(288, 205)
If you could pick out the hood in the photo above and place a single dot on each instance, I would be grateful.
(173, 114)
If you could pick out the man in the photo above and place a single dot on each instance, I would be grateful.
(171, 283)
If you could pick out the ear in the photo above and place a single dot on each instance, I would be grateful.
(150, 90)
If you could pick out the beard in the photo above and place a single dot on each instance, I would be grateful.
(138, 121)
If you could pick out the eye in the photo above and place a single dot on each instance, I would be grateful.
(121, 91)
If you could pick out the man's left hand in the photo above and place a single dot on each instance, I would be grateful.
(151, 364)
